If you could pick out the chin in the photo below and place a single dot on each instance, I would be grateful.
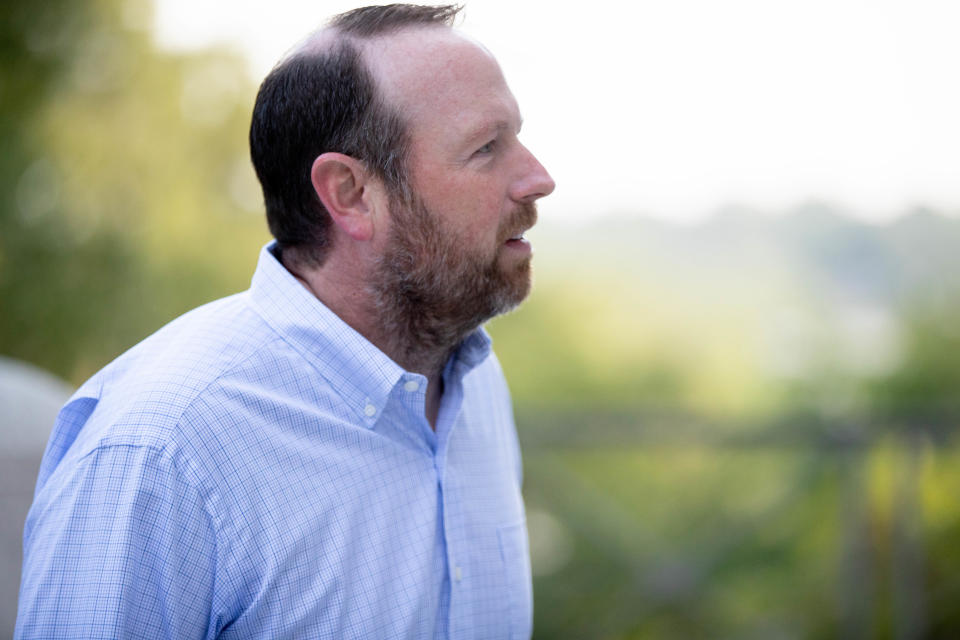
(519, 283)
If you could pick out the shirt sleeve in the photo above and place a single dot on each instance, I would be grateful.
(121, 546)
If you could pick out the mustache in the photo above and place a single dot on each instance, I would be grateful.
(522, 218)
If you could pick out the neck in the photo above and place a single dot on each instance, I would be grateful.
(419, 342)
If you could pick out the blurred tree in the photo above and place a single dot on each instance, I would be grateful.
(36, 252)
(924, 392)
(125, 191)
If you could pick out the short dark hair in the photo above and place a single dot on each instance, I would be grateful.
(317, 101)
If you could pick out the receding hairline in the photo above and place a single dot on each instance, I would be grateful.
(374, 53)
(350, 28)
(329, 38)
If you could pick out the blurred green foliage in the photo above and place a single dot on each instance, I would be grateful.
(740, 429)
(122, 183)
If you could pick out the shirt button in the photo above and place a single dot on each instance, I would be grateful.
(457, 573)
(411, 385)
(370, 410)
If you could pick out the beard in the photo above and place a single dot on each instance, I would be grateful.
(432, 289)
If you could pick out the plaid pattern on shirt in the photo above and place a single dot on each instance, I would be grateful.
(257, 469)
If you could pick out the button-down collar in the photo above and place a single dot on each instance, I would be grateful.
(362, 374)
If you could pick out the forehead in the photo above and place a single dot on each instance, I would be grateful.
(441, 81)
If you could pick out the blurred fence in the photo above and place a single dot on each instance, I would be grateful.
(669, 526)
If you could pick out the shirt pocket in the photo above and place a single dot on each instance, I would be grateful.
(515, 552)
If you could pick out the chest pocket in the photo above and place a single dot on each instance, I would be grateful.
(516, 564)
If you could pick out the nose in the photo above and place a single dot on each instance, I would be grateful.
(533, 181)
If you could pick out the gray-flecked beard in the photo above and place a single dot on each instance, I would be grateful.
(430, 292)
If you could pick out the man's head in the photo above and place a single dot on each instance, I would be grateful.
(321, 98)
(433, 129)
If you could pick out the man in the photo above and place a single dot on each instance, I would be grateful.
(331, 453)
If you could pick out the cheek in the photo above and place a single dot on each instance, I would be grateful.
(483, 204)
(475, 205)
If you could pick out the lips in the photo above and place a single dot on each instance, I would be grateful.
(522, 219)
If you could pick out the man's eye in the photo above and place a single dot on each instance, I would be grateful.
(487, 148)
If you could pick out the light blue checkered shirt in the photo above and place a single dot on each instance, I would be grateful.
(257, 469)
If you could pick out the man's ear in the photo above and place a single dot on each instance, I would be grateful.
(344, 185)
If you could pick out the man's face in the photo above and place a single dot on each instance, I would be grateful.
(460, 241)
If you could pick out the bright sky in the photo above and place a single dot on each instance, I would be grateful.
(677, 108)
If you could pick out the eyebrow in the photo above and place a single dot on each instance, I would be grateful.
(488, 129)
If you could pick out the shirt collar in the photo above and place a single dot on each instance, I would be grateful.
(354, 368)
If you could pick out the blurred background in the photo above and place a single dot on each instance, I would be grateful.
(737, 381)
